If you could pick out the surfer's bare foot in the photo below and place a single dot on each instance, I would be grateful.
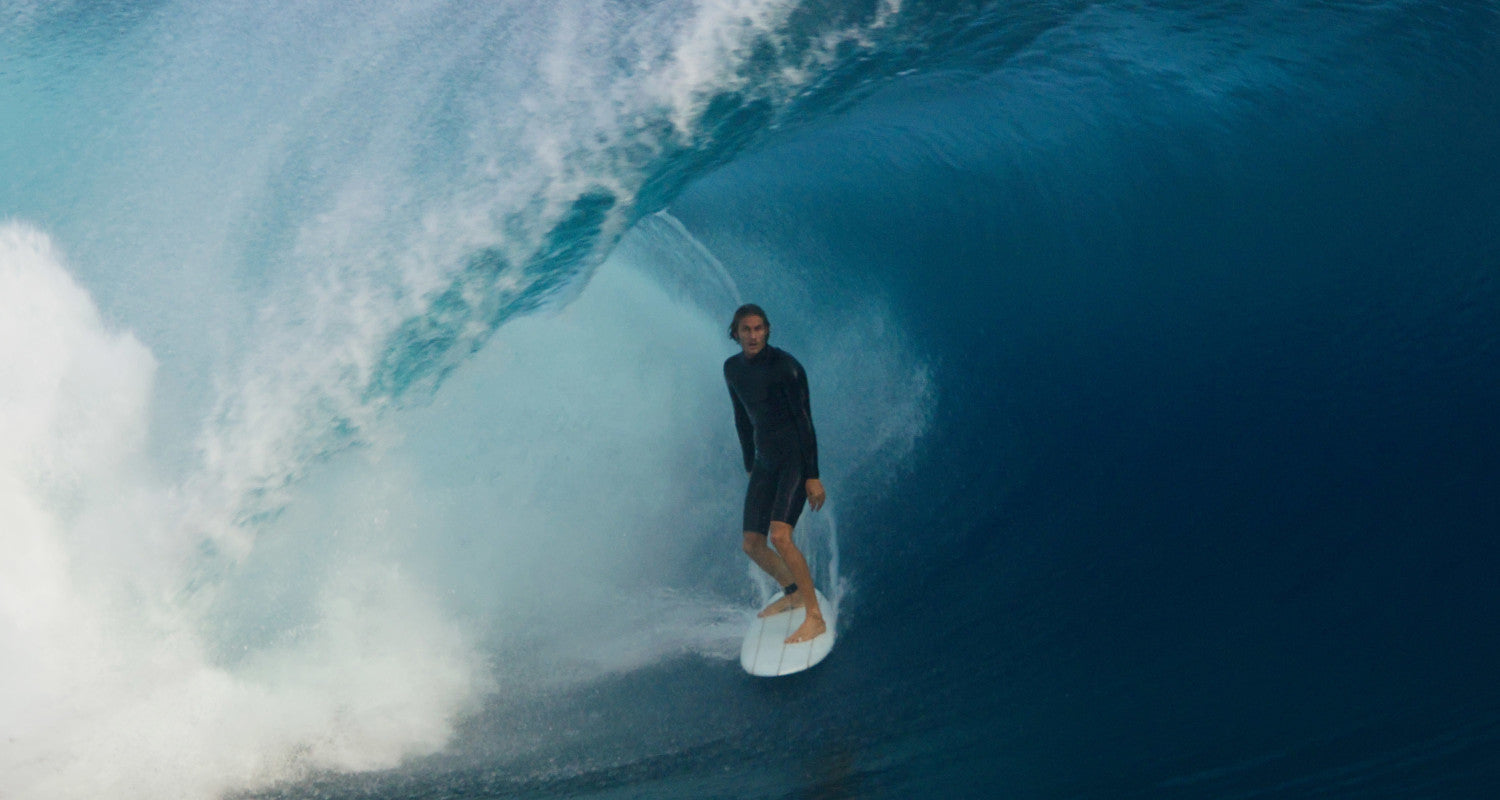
(812, 628)
(785, 604)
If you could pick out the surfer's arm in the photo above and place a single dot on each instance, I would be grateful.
(815, 494)
(745, 429)
(799, 404)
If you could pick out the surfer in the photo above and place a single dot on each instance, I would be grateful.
(774, 418)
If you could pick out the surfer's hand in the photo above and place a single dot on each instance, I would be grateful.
(815, 493)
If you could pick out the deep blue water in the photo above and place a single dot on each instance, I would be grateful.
(1180, 472)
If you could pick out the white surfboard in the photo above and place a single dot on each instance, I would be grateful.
(765, 651)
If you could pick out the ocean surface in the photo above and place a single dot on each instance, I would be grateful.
(363, 435)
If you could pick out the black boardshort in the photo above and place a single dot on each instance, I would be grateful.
(777, 493)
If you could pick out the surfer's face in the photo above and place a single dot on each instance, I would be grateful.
(751, 333)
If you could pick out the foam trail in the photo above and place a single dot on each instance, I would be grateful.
(71, 398)
(110, 687)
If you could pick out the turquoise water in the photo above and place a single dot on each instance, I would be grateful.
(362, 431)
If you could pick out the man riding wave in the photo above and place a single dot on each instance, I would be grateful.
(773, 416)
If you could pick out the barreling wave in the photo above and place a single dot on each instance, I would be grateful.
(1088, 283)
(511, 190)
(531, 186)
(428, 172)
(322, 211)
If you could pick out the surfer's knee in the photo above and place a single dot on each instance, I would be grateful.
(781, 535)
(754, 542)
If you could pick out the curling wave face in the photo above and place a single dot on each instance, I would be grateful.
(318, 215)
(1150, 348)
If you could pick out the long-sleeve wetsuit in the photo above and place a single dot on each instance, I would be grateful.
(773, 415)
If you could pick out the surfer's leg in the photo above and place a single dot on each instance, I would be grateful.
(773, 500)
(781, 537)
(767, 559)
(771, 561)
(795, 598)
(760, 499)
(788, 496)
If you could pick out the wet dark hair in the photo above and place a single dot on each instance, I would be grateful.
(747, 310)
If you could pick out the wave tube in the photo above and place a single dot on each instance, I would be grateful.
(253, 564)
(563, 509)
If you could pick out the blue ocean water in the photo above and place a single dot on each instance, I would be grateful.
(362, 433)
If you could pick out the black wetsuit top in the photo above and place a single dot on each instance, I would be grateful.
(773, 415)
